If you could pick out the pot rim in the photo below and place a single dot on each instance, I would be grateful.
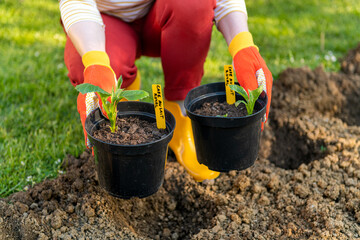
(215, 94)
(189, 103)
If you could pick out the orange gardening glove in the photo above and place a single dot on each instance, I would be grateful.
(97, 72)
(250, 67)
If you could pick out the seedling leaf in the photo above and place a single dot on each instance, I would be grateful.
(225, 115)
(132, 95)
(88, 88)
(255, 93)
(120, 81)
(240, 90)
(249, 99)
(237, 103)
(113, 99)
(118, 93)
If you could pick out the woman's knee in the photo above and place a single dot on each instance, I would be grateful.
(126, 69)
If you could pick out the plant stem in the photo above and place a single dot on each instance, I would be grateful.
(113, 126)
(112, 113)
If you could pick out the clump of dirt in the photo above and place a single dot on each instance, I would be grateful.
(130, 131)
(350, 88)
(221, 109)
(351, 63)
(305, 184)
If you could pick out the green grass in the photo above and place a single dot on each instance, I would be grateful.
(39, 123)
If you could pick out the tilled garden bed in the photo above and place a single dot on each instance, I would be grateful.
(305, 184)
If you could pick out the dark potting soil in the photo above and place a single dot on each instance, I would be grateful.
(221, 109)
(131, 131)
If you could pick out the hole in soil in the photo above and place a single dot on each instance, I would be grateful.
(291, 148)
(194, 211)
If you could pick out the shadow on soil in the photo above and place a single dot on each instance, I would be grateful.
(179, 210)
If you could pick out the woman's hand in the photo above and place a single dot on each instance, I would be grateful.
(250, 67)
(99, 73)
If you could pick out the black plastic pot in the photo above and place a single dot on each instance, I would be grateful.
(126, 171)
(224, 143)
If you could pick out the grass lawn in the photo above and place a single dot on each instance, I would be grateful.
(39, 123)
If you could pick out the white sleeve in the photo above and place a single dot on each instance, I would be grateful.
(73, 11)
(224, 7)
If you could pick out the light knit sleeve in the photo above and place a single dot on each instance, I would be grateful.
(73, 11)
(224, 7)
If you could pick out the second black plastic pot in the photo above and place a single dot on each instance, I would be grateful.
(126, 171)
(224, 143)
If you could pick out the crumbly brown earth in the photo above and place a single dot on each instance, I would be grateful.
(130, 131)
(305, 184)
(221, 109)
(351, 62)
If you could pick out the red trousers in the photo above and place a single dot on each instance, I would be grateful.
(178, 31)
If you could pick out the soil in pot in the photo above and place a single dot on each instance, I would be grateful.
(131, 131)
(221, 109)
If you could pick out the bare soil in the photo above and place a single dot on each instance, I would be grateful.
(351, 63)
(305, 184)
(221, 109)
(130, 131)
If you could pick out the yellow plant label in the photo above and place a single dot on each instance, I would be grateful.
(159, 106)
(229, 80)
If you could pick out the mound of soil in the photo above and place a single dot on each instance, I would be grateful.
(351, 63)
(305, 184)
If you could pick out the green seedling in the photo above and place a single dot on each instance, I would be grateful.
(322, 149)
(225, 115)
(250, 98)
(110, 106)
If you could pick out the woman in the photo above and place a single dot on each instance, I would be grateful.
(105, 37)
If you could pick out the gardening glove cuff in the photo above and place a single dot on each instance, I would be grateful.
(250, 68)
(240, 41)
(98, 71)
(95, 58)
